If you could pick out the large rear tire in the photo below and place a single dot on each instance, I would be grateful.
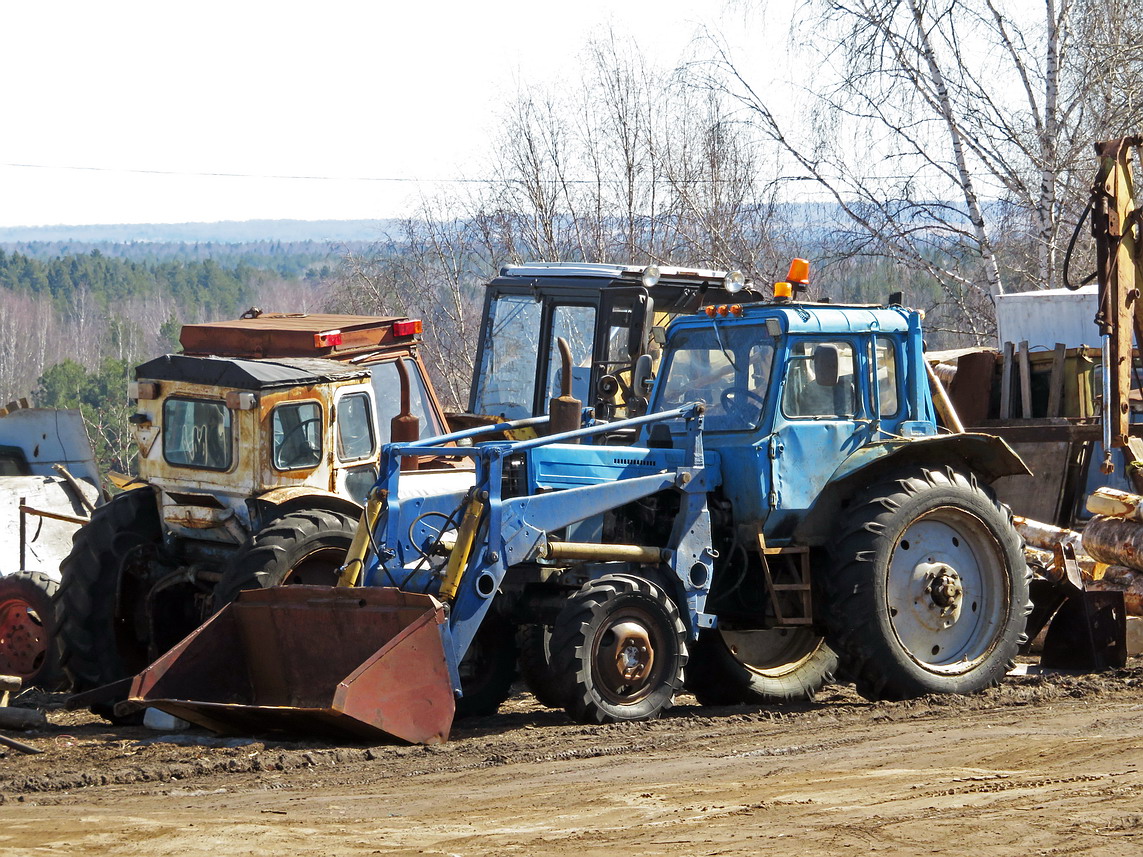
(929, 587)
(29, 645)
(299, 547)
(100, 642)
(729, 667)
(620, 648)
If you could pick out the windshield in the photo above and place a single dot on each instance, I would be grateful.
(726, 367)
(387, 391)
(506, 380)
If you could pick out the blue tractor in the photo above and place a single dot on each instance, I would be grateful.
(787, 507)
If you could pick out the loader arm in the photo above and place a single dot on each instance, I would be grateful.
(566, 482)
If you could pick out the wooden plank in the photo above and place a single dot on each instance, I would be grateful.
(1056, 380)
(1025, 382)
(1006, 383)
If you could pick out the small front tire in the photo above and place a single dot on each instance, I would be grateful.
(619, 648)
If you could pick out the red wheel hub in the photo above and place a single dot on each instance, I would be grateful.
(24, 640)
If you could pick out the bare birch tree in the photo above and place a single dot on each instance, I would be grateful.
(953, 134)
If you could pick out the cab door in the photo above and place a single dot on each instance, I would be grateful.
(355, 442)
(821, 420)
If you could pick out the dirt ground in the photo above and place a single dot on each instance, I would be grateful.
(1042, 765)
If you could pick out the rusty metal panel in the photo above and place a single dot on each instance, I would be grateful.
(1037, 496)
(366, 662)
(285, 335)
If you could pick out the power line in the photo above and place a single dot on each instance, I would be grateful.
(392, 179)
(136, 171)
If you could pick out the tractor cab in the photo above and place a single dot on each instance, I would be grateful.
(610, 315)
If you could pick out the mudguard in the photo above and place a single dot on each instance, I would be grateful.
(983, 454)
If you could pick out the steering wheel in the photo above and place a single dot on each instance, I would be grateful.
(737, 399)
(304, 455)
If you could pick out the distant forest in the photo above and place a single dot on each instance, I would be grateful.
(285, 258)
(76, 319)
(74, 324)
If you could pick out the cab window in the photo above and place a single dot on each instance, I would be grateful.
(196, 433)
(354, 428)
(297, 435)
(506, 382)
(810, 392)
(888, 385)
(576, 325)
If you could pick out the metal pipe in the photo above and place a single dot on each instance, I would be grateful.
(55, 516)
(657, 417)
(1108, 465)
(432, 446)
(452, 437)
(23, 532)
(588, 551)
(942, 401)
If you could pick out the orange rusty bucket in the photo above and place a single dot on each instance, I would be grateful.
(361, 662)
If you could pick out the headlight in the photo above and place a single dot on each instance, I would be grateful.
(734, 282)
(650, 275)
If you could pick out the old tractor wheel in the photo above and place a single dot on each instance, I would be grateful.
(487, 669)
(929, 590)
(29, 647)
(619, 647)
(101, 639)
(535, 657)
(728, 667)
(299, 547)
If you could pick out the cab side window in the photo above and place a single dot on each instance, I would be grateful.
(820, 381)
(354, 428)
(888, 385)
(297, 435)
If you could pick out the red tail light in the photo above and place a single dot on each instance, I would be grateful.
(410, 327)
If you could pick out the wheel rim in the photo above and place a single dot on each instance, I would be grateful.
(624, 657)
(948, 588)
(24, 640)
(319, 567)
(772, 653)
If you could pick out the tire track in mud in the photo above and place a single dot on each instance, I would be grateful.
(100, 756)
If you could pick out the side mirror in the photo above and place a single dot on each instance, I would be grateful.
(639, 330)
(826, 361)
(644, 375)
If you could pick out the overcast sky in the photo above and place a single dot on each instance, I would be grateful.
(97, 94)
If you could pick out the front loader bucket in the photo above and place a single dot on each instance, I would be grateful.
(363, 662)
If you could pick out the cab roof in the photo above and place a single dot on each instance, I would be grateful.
(231, 373)
(818, 318)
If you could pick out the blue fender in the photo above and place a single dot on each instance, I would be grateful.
(986, 455)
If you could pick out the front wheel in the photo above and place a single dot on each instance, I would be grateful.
(929, 587)
(299, 547)
(619, 648)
